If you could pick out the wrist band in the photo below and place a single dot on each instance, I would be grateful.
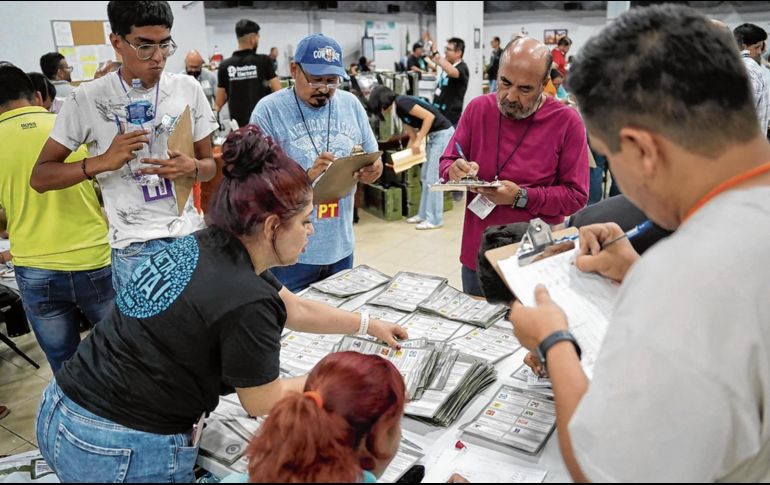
(83, 167)
(364, 328)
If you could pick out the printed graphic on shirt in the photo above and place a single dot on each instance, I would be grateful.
(157, 283)
(237, 73)
(329, 211)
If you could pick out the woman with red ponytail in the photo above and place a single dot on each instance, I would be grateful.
(345, 427)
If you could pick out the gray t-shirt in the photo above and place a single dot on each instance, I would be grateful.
(208, 82)
(681, 388)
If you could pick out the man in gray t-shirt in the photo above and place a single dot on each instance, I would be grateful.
(315, 123)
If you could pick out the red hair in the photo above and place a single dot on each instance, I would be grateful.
(259, 180)
(363, 397)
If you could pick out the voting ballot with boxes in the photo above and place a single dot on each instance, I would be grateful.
(473, 407)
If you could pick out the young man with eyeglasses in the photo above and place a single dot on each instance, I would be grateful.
(245, 77)
(142, 218)
(453, 81)
(314, 123)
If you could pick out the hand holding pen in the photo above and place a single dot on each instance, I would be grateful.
(462, 167)
(605, 249)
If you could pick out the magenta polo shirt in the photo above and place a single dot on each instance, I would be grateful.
(551, 163)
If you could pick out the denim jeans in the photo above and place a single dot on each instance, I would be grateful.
(125, 261)
(299, 276)
(432, 203)
(471, 283)
(83, 447)
(54, 300)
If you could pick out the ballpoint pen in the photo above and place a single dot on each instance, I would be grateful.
(460, 151)
(635, 231)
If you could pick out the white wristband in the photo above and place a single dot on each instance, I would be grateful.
(364, 328)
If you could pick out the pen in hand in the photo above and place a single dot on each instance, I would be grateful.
(635, 231)
(460, 151)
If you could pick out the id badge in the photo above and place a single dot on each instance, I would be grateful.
(481, 206)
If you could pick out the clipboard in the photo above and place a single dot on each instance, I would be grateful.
(339, 178)
(181, 140)
(463, 185)
(494, 256)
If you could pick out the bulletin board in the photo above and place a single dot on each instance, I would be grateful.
(85, 44)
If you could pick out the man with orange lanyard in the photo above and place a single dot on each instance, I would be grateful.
(681, 387)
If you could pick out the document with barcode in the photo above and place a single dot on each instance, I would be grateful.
(586, 298)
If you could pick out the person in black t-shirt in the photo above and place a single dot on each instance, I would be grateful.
(415, 62)
(453, 82)
(245, 77)
(201, 318)
(423, 123)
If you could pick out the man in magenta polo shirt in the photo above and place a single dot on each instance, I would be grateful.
(533, 144)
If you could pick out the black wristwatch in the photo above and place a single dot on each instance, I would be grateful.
(521, 199)
(553, 339)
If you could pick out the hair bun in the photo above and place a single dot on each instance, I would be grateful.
(246, 151)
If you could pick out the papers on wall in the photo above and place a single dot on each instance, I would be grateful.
(68, 52)
(432, 327)
(62, 34)
(314, 295)
(489, 344)
(518, 418)
(352, 282)
(586, 298)
(479, 468)
(405, 458)
(85, 54)
(407, 290)
(455, 305)
(300, 352)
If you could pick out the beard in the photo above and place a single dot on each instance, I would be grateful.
(515, 110)
(319, 100)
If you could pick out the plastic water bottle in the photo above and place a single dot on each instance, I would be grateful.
(140, 115)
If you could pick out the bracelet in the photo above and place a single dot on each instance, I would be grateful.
(364, 328)
(83, 167)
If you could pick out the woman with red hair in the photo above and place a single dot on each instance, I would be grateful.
(344, 427)
(200, 318)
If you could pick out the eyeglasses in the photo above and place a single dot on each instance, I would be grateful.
(68, 68)
(145, 51)
(328, 86)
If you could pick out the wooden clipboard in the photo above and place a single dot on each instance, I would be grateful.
(494, 256)
(339, 179)
(181, 140)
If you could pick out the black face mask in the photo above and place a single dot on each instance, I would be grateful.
(195, 74)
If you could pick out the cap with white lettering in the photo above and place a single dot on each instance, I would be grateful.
(320, 55)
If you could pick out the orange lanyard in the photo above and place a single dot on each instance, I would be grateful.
(727, 185)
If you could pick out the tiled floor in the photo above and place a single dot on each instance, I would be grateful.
(387, 246)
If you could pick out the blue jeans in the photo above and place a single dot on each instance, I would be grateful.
(471, 283)
(83, 447)
(125, 261)
(432, 203)
(299, 276)
(54, 300)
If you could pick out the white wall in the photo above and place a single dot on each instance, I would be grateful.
(461, 19)
(284, 29)
(25, 29)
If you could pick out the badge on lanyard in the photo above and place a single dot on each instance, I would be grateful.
(481, 206)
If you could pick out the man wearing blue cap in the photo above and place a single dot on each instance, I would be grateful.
(315, 123)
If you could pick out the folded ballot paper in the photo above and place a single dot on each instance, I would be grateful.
(352, 282)
(407, 290)
(453, 304)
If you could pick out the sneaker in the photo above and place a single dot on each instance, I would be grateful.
(414, 220)
(4, 411)
(425, 225)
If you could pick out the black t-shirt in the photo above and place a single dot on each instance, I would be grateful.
(450, 93)
(494, 64)
(194, 322)
(413, 61)
(246, 78)
(404, 105)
